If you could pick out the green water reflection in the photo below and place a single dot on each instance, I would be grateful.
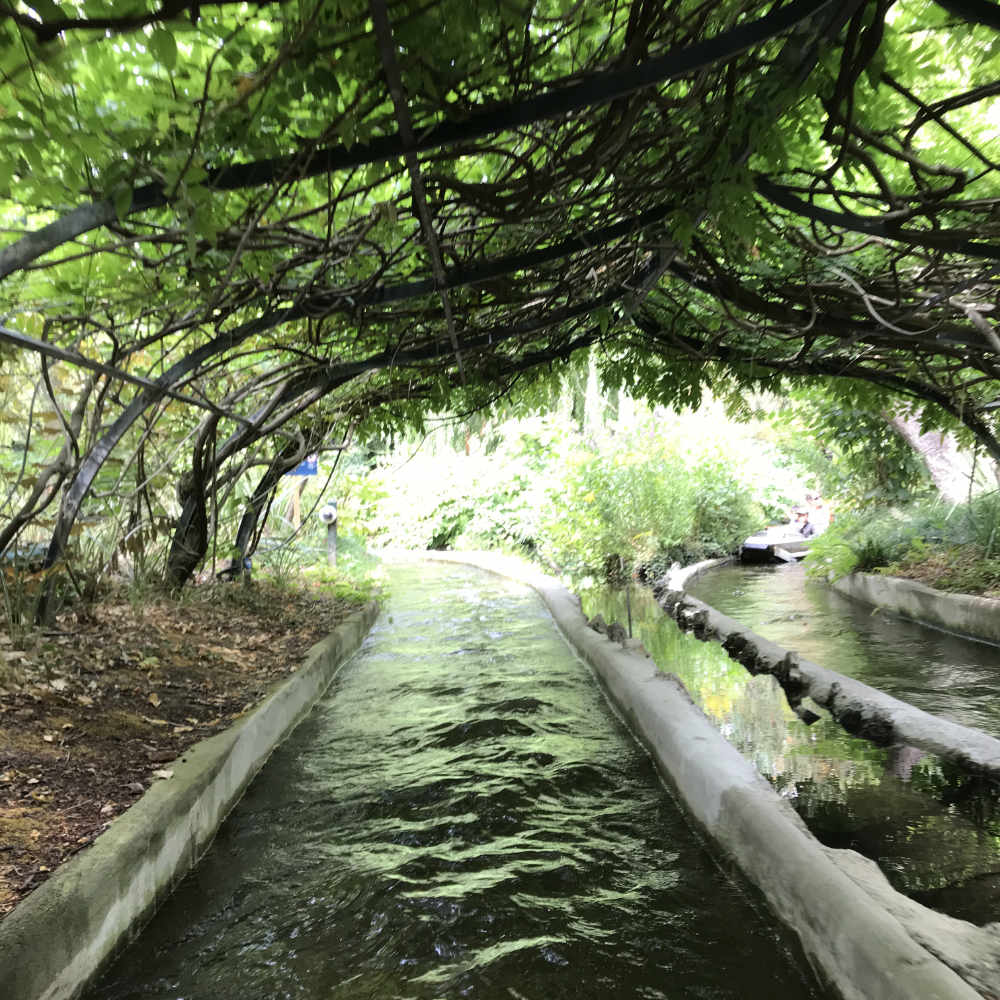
(938, 672)
(933, 831)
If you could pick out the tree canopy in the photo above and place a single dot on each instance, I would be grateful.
(238, 232)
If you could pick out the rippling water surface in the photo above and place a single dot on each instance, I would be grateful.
(462, 816)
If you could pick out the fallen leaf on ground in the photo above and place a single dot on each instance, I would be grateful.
(196, 653)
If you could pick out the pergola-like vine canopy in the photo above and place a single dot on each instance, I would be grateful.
(235, 231)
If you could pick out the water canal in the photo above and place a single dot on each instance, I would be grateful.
(461, 816)
(941, 673)
(934, 832)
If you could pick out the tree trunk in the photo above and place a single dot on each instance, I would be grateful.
(190, 543)
(950, 470)
(283, 462)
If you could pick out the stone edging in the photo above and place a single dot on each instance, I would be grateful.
(865, 939)
(862, 710)
(58, 938)
(680, 576)
(963, 614)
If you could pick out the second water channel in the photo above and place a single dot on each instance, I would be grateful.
(933, 830)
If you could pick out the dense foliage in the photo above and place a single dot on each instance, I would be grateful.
(237, 233)
(631, 495)
(845, 441)
(647, 503)
(948, 546)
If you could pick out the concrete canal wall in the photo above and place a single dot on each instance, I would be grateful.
(962, 614)
(867, 941)
(58, 938)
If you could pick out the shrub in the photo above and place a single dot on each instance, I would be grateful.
(950, 546)
(648, 503)
(631, 505)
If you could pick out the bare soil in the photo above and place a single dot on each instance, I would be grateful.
(93, 711)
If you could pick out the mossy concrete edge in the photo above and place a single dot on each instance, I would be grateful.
(962, 614)
(858, 945)
(679, 577)
(861, 709)
(56, 940)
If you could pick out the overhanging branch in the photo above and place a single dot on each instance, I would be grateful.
(594, 90)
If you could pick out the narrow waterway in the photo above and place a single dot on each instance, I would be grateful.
(934, 832)
(461, 816)
(953, 677)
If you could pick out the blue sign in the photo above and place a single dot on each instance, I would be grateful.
(309, 466)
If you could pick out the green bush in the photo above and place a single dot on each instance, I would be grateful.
(442, 498)
(725, 509)
(839, 433)
(899, 540)
(641, 492)
(648, 504)
(628, 505)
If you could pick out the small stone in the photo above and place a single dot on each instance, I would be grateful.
(806, 715)
(617, 633)
(598, 624)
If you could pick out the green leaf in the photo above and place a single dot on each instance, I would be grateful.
(163, 45)
(48, 10)
(603, 317)
(123, 201)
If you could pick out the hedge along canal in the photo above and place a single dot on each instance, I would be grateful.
(933, 830)
(462, 815)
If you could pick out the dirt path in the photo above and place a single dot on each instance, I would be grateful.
(92, 712)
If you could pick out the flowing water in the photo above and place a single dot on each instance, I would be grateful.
(934, 831)
(461, 816)
(940, 673)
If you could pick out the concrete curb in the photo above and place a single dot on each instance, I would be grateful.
(55, 941)
(679, 577)
(962, 614)
(863, 947)
(862, 710)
